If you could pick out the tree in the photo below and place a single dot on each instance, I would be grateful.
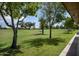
(16, 11)
(33, 24)
(29, 25)
(13, 11)
(41, 17)
(0, 26)
(22, 24)
(42, 25)
(54, 13)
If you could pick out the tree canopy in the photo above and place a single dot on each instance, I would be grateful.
(16, 10)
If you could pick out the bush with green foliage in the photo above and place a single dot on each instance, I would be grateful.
(29, 24)
(69, 24)
(75, 26)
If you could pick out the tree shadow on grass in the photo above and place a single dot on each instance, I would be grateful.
(9, 51)
(67, 33)
(40, 34)
(39, 42)
(1, 45)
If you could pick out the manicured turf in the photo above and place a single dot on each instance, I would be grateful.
(32, 43)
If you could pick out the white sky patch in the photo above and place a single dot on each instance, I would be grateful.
(32, 19)
(41, 14)
(2, 23)
(59, 24)
(21, 18)
(66, 14)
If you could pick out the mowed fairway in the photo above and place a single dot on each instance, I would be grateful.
(32, 43)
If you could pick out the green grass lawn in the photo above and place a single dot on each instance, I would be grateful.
(33, 44)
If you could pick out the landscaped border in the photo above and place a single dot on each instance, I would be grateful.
(71, 48)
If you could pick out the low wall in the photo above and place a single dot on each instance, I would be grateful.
(72, 48)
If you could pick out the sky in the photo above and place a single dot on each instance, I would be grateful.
(66, 14)
(32, 19)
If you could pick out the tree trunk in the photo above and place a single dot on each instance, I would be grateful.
(42, 31)
(50, 33)
(14, 43)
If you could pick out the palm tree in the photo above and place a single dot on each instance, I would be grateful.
(54, 13)
(42, 25)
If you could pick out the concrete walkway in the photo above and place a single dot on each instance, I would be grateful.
(72, 48)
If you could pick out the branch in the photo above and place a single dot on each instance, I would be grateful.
(18, 20)
(5, 19)
(3, 16)
(23, 19)
(13, 26)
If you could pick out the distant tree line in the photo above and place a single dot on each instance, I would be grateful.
(26, 25)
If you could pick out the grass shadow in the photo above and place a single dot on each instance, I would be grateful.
(67, 32)
(1, 45)
(77, 33)
(40, 34)
(9, 51)
(39, 42)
